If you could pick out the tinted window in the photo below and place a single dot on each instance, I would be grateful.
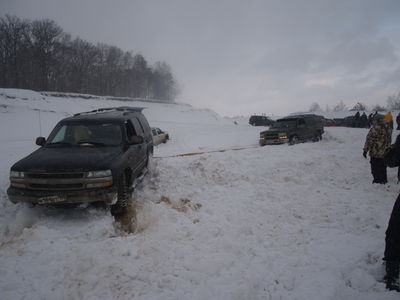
(137, 126)
(130, 130)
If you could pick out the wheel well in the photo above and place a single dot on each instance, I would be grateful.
(128, 176)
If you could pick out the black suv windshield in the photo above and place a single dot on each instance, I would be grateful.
(76, 134)
(284, 124)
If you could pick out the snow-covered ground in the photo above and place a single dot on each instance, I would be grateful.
(275, 222)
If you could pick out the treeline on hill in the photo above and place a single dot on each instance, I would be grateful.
(40, 56)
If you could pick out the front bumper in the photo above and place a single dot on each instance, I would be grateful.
(264, 141)
(107, 195)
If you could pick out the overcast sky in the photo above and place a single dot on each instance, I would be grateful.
(249, 56)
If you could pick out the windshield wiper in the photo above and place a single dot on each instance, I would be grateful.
(90, 143)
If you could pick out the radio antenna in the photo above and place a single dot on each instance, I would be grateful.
(40, 124)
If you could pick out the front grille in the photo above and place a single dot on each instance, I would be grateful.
(270, 136)
(54, 175)
(56, 186)
(55, 181)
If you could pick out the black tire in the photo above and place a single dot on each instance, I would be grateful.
(317, 136)
(293, 140)
(122, 197)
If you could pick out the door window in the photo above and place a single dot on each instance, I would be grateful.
(130, 130)
(138, 128)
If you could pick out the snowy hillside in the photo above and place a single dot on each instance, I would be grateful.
(275, 222)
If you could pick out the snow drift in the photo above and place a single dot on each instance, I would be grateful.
(274, 222)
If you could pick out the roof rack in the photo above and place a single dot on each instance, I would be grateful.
(126, 109)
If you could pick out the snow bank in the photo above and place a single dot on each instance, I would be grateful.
(277, 222)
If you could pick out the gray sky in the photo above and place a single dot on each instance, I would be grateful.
(249, 56)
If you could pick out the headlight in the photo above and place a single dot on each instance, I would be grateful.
(283, 136)
(16, 174)
(98, 174)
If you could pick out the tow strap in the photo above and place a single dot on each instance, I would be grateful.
(204, 152)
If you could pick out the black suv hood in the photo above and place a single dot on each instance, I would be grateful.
(71, 159)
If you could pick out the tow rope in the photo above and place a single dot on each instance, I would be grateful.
(204, 152)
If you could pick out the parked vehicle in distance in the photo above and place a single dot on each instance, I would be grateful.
(159, 136)
(329, 123)
(293, 129)
(256, 120)
(96, 156)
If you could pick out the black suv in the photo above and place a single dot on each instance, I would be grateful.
(294, 129)
(260, 121)
(89, 157)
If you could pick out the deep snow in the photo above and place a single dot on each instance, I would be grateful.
(275, 222)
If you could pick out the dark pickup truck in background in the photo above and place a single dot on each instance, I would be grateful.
(293, 129)
(89, 157)
(257, 120)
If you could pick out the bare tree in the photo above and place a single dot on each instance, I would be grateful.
(163, 82)
(359, 107)
(339, 107)
(314, 107)
(393, 101)
(378, 108)
(13, 44)
(45, 42)
(39, 55)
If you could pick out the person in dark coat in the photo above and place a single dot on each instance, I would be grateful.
(363, 120)
(370, 118)
(398, 121)
(392, 238)
(378, 139)
(357, 119)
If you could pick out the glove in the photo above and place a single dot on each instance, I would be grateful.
(365, 154)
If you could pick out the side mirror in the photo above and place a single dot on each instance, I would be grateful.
(136, 140)
(40, 141)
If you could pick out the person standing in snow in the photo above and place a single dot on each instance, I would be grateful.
(398, 121)
(370, 118)
(356, 119)
(392, 238)
(378, 139)
(363, 121)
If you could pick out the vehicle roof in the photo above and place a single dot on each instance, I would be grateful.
(302, 116)
(258, 116)
(112, 114)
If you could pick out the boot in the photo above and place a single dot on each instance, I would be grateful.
(392, 275)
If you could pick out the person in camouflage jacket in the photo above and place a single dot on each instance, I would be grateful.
(378, 139)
